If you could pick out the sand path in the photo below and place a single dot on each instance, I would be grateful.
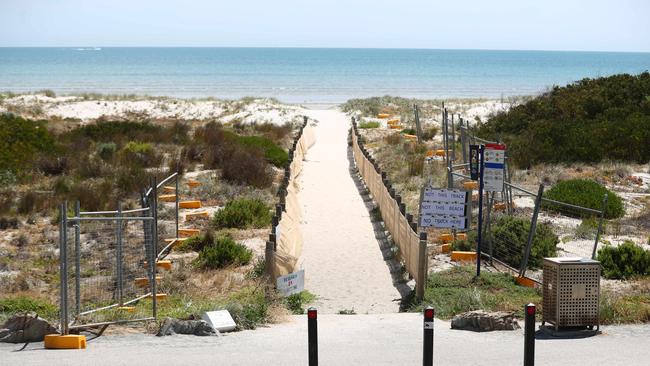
(342, 259)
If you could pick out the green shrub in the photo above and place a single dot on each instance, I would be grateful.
(585, 193)
(466, 245)
(243, 213)
(139, 153)
(21, 141)
(223, 252)
(246, 166)
(53, 165)
(624, 261)
(509, 237)
(409, 131)
(106, 150)
(7, 178)
(196, 242)
(116, 131)
(20, 304)
(365, 125)
(249, 307)
(587, 121)
(272, 152)
(296, 303)
(272, 131)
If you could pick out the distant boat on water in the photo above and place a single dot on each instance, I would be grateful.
(88, 49)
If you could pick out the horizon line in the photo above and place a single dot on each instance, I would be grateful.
(336, 48)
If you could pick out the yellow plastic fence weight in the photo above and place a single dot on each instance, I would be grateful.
(446, 238)
(525, 281)
(144, 281)
(160, 296)
(184, 233)
(193, 183)
(460, 256)
(167, 198)
(189, 204)
(70, 341)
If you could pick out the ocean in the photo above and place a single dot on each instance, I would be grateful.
(304, 75)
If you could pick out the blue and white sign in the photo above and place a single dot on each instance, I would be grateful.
(493, 167)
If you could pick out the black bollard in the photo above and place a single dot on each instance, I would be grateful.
(427, 356)
(529, 335)
(312, 336)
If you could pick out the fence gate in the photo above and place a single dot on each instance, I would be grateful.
(108, 266)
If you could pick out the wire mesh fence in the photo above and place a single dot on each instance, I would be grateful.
(578, 228)
(515, 239)
(107, 267)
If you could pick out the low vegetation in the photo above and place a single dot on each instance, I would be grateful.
(625, 261)
(242, 214)
(242, 159)
(43, 163)
(584, 193)
(457, 290)
(588, 121)
(366, 125)
(250, 306)
(223, 252)
(296, 303)
(21, 142)
(510, 235)
(16, 304)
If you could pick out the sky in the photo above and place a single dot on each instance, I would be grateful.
(581, 25)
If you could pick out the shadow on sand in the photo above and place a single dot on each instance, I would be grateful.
(384, 243)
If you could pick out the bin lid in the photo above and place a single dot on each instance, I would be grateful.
(571, 260)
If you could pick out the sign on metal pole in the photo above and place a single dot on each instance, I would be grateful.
(473, 161)
(493, 167)
(292, 283)
(444, 208)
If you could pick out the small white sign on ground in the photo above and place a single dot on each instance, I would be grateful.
(292, 283)
(219, 320)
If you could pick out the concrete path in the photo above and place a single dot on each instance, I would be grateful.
(376, 339)
(342, 257)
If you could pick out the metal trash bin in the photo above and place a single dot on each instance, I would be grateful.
(571, 294)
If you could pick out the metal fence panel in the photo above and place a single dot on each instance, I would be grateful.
(108, 267)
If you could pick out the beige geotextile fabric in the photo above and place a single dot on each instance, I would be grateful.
(288, 236)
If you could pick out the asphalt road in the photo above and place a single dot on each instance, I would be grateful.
(375, 339)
